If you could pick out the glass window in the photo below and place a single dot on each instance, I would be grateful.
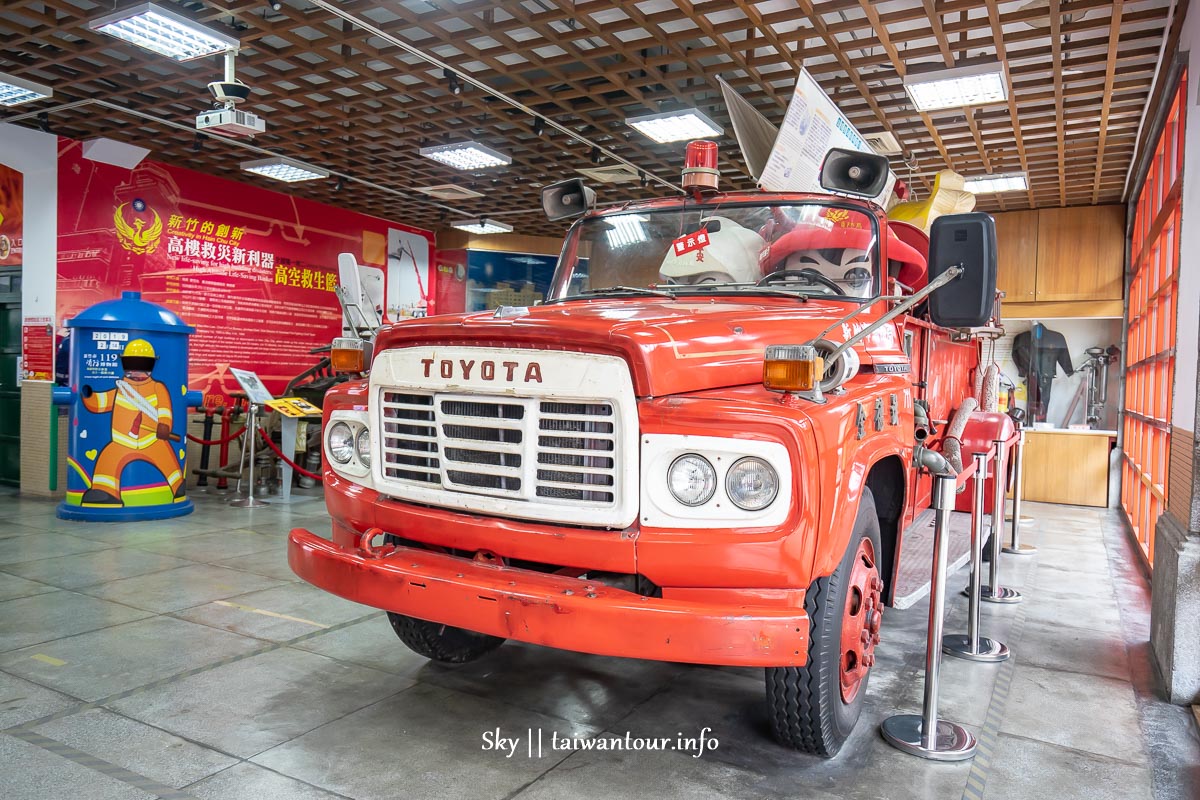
(809, 249)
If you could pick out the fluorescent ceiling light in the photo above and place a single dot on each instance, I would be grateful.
(484, 226)
(14, 90)
(958, 87)
(993, 184)
(675, 126)
(467, 155)
(284, 169)
(164, 32)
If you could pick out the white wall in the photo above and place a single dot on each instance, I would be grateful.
(1188, 330)
(1080, 335)
(35, 155)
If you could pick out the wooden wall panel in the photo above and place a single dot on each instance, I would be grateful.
(1081, 253)
(1017, 245)
(1066, 468)
(448, 239)
(1181, 477)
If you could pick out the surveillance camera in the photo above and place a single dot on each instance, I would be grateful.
(229, 91)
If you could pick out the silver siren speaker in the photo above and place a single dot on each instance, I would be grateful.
(567, 199)
(854, 172)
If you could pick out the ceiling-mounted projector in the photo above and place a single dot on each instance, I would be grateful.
(230, 122)
(228, 94)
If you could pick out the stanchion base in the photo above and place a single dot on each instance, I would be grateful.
(958, 645)
(952, 743)
(248, 502)
(999, 594)
(1019, 550)
(1025, 521)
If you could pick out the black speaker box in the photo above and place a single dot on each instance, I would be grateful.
(968, 240)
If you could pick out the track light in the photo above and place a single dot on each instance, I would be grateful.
(198, 143)
(338, 184)
(43, 120)
(596, 157)
(274, 5)
(539, 126)
(452, 81)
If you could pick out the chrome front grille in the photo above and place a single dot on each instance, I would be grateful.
(518, 448)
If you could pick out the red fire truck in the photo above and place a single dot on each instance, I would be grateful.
(705, 445)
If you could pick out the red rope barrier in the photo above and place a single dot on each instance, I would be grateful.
(288, 461)
(211, 442)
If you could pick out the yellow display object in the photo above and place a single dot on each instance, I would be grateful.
(948, 197)
(294, 407)
(139, 348)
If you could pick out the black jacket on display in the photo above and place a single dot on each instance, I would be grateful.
(1038, 353)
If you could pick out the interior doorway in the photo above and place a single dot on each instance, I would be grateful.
(10, 373)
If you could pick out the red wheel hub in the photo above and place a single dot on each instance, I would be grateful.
(861, 620)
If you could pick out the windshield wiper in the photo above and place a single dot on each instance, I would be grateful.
(748, 288)
(629, 290)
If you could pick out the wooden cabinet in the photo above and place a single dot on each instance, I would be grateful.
(1061, 262)
(1016, 270)
(1081, 253)
(1066, 467)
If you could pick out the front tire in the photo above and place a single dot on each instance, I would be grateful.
(444, 643)
(815, 707)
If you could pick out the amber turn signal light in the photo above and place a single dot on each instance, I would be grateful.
(792, 368)
(348, 355)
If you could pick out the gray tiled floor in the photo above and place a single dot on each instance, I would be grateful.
(185, 654)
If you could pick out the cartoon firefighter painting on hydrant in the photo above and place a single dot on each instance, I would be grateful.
(141, 427)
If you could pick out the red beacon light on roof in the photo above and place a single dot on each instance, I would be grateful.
(700, 166)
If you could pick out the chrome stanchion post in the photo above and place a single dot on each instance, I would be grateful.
(974, 647)
(250, 501)
(994, 592)
(925, 735)
(1015, 547)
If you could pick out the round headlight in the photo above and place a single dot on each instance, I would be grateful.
(340, 440)
(362, 446)
(692, 480)
(752, 484)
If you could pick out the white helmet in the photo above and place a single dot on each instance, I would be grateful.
(731, 256)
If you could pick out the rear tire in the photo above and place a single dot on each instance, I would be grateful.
(444, 643)
(814, 708)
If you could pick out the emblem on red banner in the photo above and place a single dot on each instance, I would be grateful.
(691, 242)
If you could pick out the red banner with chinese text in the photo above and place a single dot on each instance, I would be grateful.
(12, 215)
(253, 270)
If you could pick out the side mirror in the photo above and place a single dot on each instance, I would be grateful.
(967, 241)
(567, 199)
(854, 172)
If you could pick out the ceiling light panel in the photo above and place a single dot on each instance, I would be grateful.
(675, 126)
(467, 156)
(957, 88)
(284, 169)
(14, 90)
(995, 184)
(484, 227)
(161, 31)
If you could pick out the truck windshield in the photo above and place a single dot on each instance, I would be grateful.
(807, 249)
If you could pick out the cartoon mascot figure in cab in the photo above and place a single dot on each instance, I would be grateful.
(141, 427)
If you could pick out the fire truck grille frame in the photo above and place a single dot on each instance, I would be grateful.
(544, 452)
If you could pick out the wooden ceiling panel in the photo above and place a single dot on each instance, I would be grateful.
(339, 97)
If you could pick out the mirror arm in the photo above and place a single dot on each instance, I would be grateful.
(937, 283)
